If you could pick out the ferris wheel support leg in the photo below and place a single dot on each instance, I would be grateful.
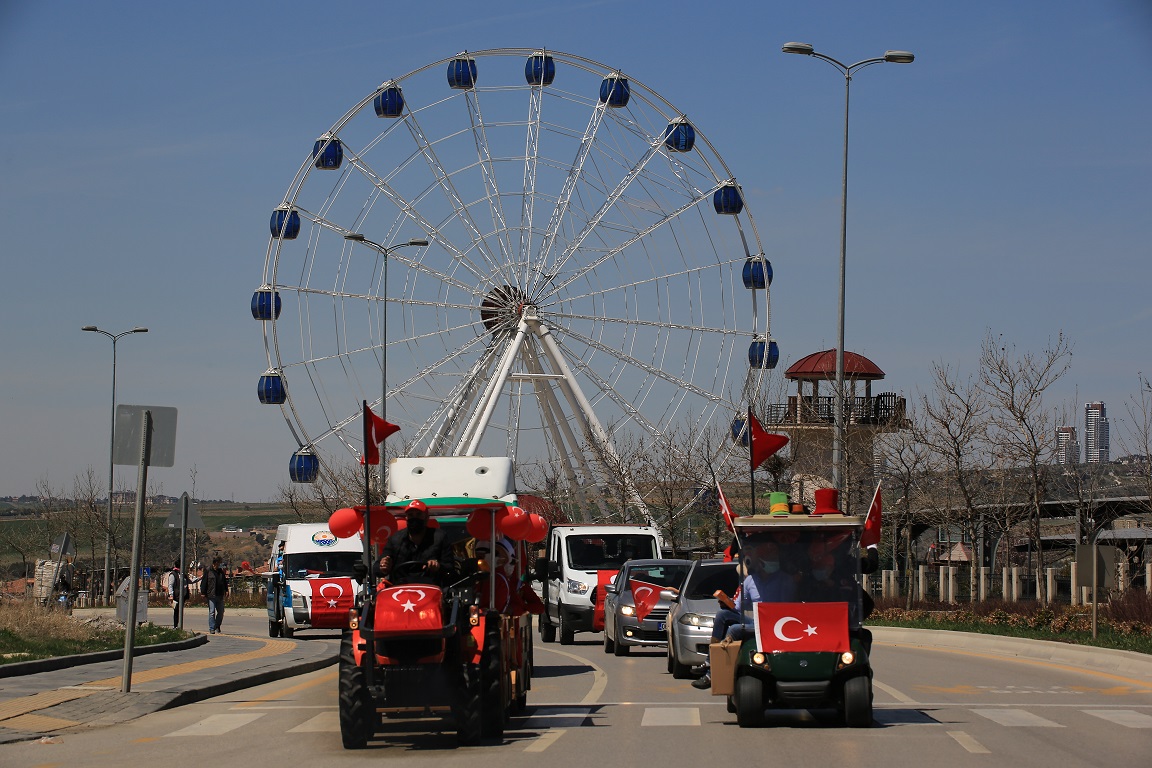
(583, 408)
(562, 436)
(483, 415)
(464, 395)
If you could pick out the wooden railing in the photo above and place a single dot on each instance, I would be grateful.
(886, 409)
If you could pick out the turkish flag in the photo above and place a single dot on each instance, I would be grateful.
(603, 579)
(331, 601)
(645, 596)
(763, 444)
(725, 509)
(376, 430)
(802, 627)
(872, 523)
(408, 608)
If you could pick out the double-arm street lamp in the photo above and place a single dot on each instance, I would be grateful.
(383, 250)
(893, 57)
(106, 593)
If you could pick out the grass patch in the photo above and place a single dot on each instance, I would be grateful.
(1123, 624)
(29, 632)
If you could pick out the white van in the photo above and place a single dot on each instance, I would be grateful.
(569, 571)
(311, 581)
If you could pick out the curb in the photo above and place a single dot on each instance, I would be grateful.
(63, 662)
(1122, 663)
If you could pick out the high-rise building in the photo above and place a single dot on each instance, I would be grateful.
(1095, 433)
(1067, 446)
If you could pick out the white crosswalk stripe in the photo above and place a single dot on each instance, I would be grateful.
(214, 725)
(1126, 717)
(671, 716)
(1016, 717)
(325, 722)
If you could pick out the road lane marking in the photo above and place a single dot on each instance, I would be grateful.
(901, 697)
(969, 743)
(280, 693)
(216, 725)
(325, 722)
(1016, 717)
(550, 716)
(671, 716)
(600, 677)
(1125, 717)
(546, 740)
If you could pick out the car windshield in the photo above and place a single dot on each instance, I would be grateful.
(304, 564)
(664, 575)
(609, 551)
(707, 579)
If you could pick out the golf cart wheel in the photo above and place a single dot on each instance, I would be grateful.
(357, 715)
(749, 699)
(858, 702)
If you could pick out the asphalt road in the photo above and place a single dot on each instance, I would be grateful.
(938, 706)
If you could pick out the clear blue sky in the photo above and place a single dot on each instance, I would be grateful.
(1000, 182)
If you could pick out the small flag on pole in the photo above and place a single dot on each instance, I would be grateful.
(763, 444)
(725, 509)
(872, 523)
(376, 430)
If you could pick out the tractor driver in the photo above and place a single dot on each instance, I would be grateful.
(418, 542)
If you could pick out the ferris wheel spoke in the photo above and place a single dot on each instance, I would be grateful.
(559, 212)
(443, 180)
(528, 203)
(637, 237)
(488, 171)
(668, 326)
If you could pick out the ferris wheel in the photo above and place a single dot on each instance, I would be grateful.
(522, 253)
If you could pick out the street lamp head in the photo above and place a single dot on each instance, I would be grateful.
(899, 57)
(355, 237)
(89, 328)
(417, 241)
(802, 48)
(139, 329)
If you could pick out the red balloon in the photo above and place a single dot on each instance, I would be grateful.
(345, 522)
(516, 523)
(538, 528)
(479, 524)
(381, 524)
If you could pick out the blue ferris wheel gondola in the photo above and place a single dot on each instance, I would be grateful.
(680, 136)
(462, 73)
(763, 355)
(271, 390)
(757, 273)
(615, 91)
(389, 102)
(740, 431)
(328, 152)
(727, 200)
(304, 467)
(265, 303)
(285, 223)
(540, 69)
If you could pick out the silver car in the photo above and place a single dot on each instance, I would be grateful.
(622, 627)
(689, 624)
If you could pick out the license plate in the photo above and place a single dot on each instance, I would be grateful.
(661, 626)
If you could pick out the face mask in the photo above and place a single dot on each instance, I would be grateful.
(769, 566)
(417, 524)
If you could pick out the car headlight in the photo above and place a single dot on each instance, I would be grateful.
(577, 587)
(696, 620)
(628, 610)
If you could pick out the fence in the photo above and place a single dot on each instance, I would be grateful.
(950, 584)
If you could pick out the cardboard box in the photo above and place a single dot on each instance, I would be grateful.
(722, 662)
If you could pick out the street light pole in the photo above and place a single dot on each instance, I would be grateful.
(894, 57)
(106, 592)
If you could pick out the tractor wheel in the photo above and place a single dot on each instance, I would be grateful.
(858, 702)
(357, 714)
(749, 700)
(466, 707)
(492, 688)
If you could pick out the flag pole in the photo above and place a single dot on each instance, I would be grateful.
(751, 453)
(368, 435)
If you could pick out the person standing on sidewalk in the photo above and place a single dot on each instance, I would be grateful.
(214, 585)
(177, 584)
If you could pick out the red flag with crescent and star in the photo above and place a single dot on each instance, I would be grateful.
(408, 608)
(802, 627)
(331, 601)
(645, 596)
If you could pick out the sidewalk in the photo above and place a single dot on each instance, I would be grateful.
(37, 700)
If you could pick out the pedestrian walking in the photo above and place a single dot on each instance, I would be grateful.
(177, 590)
(214, 586)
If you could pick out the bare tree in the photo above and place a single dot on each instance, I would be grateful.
(904, 460)
(1137, 439)
(1023, 427)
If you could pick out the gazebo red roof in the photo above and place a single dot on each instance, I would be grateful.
(821, 366)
